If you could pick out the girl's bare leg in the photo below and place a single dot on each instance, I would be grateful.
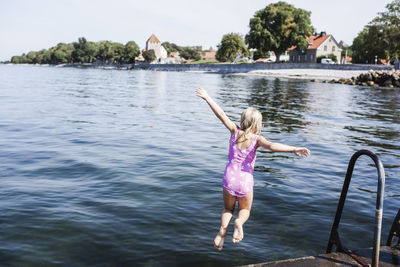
(226, 216)
(244, 205)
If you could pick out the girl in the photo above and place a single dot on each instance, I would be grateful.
(238, 176)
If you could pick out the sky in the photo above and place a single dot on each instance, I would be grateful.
(27, 25)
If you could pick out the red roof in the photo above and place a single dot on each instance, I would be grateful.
(153, 39)
(173, 54)
(314, 41)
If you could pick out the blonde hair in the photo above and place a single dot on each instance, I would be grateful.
(250, 121)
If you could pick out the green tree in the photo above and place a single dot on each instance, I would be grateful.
(118, 51)
(59, 57)
(389, 20)
(368, 44)
(131, 51)
(91, 51)
(231, 46)
(277, 27)
(170, 47)
(23, 59)
(190, 52)
(43, 57)
(16, 60)
(81, 51)
(60, 54)
(112, 52)
(380, 37)
(105, 52)
(31, 57)
(149, 55)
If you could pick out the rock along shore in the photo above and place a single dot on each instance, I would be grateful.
(384, 78)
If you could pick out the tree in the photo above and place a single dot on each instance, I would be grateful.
(131, 50)
(368, 44)
(277, 27)
(61, 53)
(231, 46)
(118, 50)
(16, 60)
(389, 20)
(92, 49)
(59, 57)
(105, 52)
(43, 57)
(190, 52)
(31, 57)
(80, 51)
(170, 47)
(380, 37)
(149, 55)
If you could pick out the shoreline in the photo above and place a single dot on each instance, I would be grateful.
(311, 71)
(306, 74)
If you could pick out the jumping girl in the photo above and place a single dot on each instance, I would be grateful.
(238, 176)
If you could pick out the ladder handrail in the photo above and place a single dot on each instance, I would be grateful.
(334, 238)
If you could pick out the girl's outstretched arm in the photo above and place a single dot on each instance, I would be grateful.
(200, 92)
(277, 147)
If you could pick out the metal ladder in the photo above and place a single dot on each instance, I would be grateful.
(334, 238)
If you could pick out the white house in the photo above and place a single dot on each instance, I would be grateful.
(318, 45)
(153, 43)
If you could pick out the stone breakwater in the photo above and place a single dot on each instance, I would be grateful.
(384, 78)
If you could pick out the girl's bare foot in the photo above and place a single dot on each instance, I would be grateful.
(220, 238)
(238, 232)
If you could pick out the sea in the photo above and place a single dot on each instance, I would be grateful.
(125, 167)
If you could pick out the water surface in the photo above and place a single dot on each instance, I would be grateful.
(124, 168)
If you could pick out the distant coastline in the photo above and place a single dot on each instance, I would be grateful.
(303, 71)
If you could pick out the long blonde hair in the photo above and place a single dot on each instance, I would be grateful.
(250, 121)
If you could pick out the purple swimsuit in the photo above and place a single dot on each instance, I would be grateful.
(238, 176)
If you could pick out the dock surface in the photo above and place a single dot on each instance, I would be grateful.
(388, 257)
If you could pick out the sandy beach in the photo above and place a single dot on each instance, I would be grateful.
(307, 74)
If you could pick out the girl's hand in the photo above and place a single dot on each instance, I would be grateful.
(301, 152)
(200, 92)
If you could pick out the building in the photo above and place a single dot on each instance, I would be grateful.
(209, 55)
(174, 58)
(318, 45)
(153, 43)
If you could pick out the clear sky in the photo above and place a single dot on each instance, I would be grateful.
(27, 25)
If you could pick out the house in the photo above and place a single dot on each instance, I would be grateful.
(174, 58)
(209, 55)
(153, 43)
(318, 45)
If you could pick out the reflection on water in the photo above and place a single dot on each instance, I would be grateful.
(125, 167)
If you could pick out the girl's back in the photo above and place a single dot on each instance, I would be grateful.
(244, 141)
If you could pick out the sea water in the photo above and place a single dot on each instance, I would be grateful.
(124, 168)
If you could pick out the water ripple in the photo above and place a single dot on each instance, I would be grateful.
(124, 167)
